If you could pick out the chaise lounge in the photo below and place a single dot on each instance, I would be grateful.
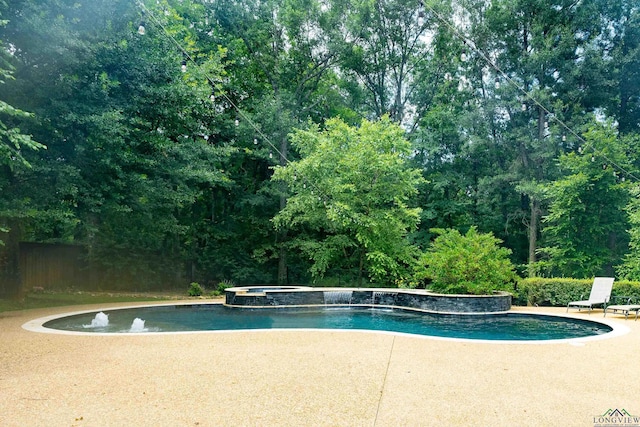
(623, 308)
(599, 296)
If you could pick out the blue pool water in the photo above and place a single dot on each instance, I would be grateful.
(213, 317)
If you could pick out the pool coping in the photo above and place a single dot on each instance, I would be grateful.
(37, 325)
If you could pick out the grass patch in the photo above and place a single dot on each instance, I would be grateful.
(59, 299)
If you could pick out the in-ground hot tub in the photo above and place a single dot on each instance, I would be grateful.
(304, 296)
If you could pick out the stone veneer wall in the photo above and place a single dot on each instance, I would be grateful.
(412, 299)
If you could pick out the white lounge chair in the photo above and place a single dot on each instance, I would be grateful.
(623, 308)
(599, 296)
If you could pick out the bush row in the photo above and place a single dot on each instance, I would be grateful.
(559, 292)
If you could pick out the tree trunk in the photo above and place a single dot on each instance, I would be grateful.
(282, 262)
(535, 210)
(533, 235)
(282, 234)
(361, 268)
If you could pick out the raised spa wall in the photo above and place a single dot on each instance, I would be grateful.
(302, 296)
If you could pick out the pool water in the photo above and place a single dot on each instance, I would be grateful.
(215, 317)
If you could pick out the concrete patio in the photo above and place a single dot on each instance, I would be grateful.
(308, 378)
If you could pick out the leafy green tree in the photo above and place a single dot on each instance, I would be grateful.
(281, 69)
(484, 145)
(160, 179)
(12, 140)
(584, 232)
(630, 268)
(383, 46)
(472, 263)
(536, 45)
(133, 146)
(13, 143)
(441, 151)
(350, 196)
(610, 73)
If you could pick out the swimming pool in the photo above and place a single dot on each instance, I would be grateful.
(520, 327)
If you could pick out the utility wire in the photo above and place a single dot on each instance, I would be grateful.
(211, 81)
(468, 42)
(465, 39)
(315, 190)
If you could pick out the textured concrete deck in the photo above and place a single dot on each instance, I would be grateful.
(302, 378)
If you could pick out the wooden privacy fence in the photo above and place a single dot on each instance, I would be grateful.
(49, 266)
(27, 267)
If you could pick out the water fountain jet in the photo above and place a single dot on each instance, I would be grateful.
(100, 321)
(137, 325)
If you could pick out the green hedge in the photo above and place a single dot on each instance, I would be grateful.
(558, 292)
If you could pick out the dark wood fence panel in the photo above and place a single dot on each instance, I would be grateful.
(51, 266)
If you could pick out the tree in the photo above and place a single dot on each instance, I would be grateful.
(281, 64)
(350, 197)
(12, 140)
(13, 143)
(382, 49)
(584, 232)
(610, 74)
(132, 140)
(452, 158)
(630, 268)
(536, 45)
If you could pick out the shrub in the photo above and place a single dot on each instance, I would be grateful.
(473, 263)
(558, 292)
(555, 292)
(195, 290)
(222, 285)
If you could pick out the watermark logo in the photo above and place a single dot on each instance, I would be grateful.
(617, 418)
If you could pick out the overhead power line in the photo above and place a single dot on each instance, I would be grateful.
(464, 38)
(528, 95)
